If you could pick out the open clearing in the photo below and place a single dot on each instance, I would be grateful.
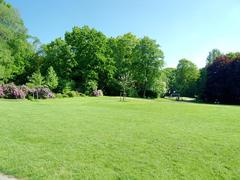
(102, 138)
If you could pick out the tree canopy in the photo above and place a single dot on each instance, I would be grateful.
(223, 77)
(187, 75)
(213, 55)
(15, 50)
(86, 60)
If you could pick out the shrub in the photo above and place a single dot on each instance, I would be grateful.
(64, 95)
(132, 92)
(42, 93)
(59, 95)
(91, 86)
(1, 92)
(11, 91)
(25, 89)
(151, 94)
(72, 94)
(97, 93)
(29, 97)
(82, 95)
(67, 86)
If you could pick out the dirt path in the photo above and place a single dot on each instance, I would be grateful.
(4, 177)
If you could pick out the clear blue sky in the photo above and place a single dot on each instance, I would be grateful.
(183, 28)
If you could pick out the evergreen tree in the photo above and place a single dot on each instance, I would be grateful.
(36, 80)
(51, 78)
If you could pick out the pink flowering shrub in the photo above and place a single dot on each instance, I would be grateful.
(42, 93)
(97, 93)
(1, 92)
(11, 91)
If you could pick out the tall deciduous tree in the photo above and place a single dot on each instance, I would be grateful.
(148, 61)
(92, 55)
(6, 65)
(213, 55)
(14, 47)
(122, 48)
(61, 57)
(187, 75)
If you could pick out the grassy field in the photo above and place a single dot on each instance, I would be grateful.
(102, 138)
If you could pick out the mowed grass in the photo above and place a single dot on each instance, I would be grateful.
(102, 138)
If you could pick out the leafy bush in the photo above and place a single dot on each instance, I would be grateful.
(42, 93)
(82, 95)
(72, 94)
(132, 92)
(1, 92)
(64, 95)
(66, 86)
(11, 91)
(97, 93)
(91, 86)
(59, 95)
(151, 94)
(25, 89)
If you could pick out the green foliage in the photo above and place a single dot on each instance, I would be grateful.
(67, 86)
(187, 75)
(169, 77)
(160, 86)
(14, 47)
(51, 78)
(85, 57)
(122, 48)
(125, 81)
(36, 80)
(148, 61)
(92, 54)
(213, 55)
(6, 65)
(91, 86)
(61, 57)
(72, 94)
(202, 83)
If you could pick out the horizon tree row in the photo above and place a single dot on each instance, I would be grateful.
(86, 60)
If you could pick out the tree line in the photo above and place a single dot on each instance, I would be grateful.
(86, 60)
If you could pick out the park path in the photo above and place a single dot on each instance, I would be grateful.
(4, 177)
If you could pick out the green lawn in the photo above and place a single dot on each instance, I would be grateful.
(102, 138)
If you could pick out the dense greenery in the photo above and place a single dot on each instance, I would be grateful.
(15, 50)
(187, 75)
(86, 60)
(91, 61)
